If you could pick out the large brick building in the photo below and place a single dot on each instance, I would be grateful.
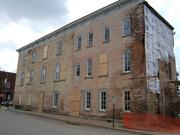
(122, 52)
(7, 85)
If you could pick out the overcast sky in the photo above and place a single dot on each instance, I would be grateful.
(23, 21)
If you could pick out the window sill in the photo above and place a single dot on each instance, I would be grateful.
(88, 110)
(101, 76)
(60, 80)
(89, 77)
(42, 82)
(33, 62)
(29, 83)
(125, 72)
(124, 36)
(77, 77)
(103, 111)
(44, 58)
(78, 50)
(106, 42)
(90, 46)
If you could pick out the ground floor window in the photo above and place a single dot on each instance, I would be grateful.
(103, 100)
(126, 100)
(55, 99)
(87, 100)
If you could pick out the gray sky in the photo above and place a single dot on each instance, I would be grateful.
(23, 21)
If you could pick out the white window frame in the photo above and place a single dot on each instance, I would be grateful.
(34, 57)
(100, 101)
(55, 104)
(57, 72)
(90, 39)
(43, 74)
(126, 101)
(76, 70)
(127, 31)
(89, 67)
(127, 66)
(88, 100)
(59, 48)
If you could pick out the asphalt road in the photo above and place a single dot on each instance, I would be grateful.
(14, 123)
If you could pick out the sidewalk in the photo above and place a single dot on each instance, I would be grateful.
(88, 121)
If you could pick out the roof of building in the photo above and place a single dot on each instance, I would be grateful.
(118, 3)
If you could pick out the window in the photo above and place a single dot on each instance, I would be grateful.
(103, 98)
(55, 99)
(106, 34)
(103, 64)
(23, 60)
(43, 74)
(57, 72)
(77, 70)
(126, 101)
(126, 27)
(45, 55)
(87, 100)
(127, 61)
(31, 76)
(78, 43)
(8, 85)
(34, 56)
(22, 76)
(89, 67)
(59, 48)
(90, 37)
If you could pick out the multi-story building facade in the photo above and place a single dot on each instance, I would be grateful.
(122, 53)
(7, 86)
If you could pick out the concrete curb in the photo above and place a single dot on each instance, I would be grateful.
(50, 116)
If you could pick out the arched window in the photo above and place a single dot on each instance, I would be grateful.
(57, 72)
(127, 61)
(43, 74)
(89, 67)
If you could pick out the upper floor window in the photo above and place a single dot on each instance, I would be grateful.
(55, 99)
(126, 100)
(127, 61)
(24, 60)
(43, 74)
(78, 42)
(59, 48)
(89, 67)
(103, 100)
(8, 85)
(34, 56)
(87, 100)
(127, 27)
(57, 72)
(22, 76)
(45, 54)
(90, 39)
(31, 76)
(77, 70)
(106, 34)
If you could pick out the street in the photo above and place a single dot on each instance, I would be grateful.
(14, 123)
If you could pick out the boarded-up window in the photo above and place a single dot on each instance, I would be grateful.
(103, 64)
(45, 55)
(63, 72)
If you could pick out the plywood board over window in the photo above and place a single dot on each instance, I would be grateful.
(45, 54)
(63, 72)
(75, 102)
(103, 64)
